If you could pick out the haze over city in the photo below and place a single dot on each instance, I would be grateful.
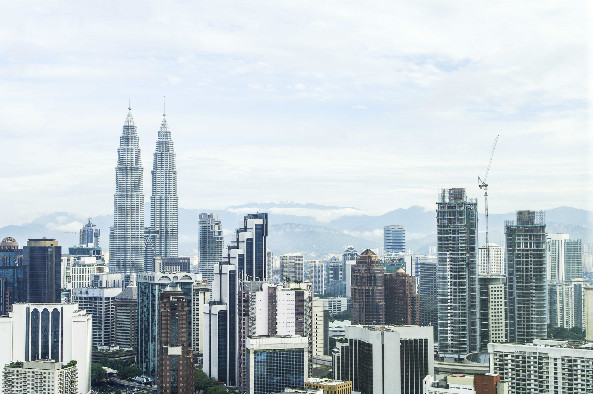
(373, 106)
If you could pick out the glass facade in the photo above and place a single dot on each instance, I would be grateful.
(275, 370)
(43, 270)
(11, 279)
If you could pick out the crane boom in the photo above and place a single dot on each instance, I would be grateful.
(483, 185)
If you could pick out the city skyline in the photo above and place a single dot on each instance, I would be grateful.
(422, 92)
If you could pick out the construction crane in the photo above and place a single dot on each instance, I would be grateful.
(483, 185)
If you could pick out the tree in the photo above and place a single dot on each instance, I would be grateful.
(97, 372)
(217, 390)
(202, 382)
(129, 372)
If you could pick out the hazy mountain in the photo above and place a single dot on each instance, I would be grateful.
(313, 229)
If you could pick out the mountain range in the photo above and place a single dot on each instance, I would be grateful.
(315, 230)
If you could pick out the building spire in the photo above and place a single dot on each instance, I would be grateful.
(164, 104)
(129, 104)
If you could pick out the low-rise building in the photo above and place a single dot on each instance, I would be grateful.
(40, 377)
(329, 386)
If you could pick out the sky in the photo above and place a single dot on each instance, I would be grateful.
(374, 105)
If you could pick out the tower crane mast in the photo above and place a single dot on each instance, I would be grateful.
(484, 186)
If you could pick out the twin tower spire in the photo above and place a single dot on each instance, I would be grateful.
(133, 246)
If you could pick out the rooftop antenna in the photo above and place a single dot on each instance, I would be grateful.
(129, 104)
(483, 185)
(164, 103)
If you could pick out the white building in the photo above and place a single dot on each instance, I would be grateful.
(40, 377)
(463, 384)
(60, 332)
(348, 264)
(276, 362)
(337, 304)
(555, 244)
(83, 269)
(496, 260)
(545, 366)
(292, 267)
(201, 297)
(320, 326)
(385, 359)
(588, 303)
(99, 303)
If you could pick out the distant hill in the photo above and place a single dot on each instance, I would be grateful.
(313, 229)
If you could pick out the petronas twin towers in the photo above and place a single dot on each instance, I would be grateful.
(129, 241)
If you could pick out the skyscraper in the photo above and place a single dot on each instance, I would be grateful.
(126, 237)
(211, 244)
(292, 267)
(12, 282)
(163, 201)
(394, 238)
(526, 269)
(402, 306)
(425, 269)
(175, 366)
(368, 299)
(89, 235)
(42, 260)
(492, 320)
(457, 273)
(492, 253)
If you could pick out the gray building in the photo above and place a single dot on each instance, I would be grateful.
(394, 238)
(42, 262)
(211, 244)
(126, 237)
(164, 201)
(425, 269)
(527, 302)
(457, 273)
(150, 285)
(125, 307)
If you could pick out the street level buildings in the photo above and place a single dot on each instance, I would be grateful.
(544, 366)
(526, 274)
(385, 359)
(126, 237)
(457, 273)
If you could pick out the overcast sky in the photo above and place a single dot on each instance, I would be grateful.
(369, 104)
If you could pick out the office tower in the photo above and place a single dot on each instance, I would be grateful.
(83, 269)
(492, 252)
(211, 244)
(526, 272)
(171, 264)
(335, 284)
(394, 239)
(425, 269)
(336, 304)
(492, 313)
(385, 359)
(89, 235)
(176, 366)
(552, 367)
(276, 362)
(561, 305)
(163, 201)
(402, 304)
(99, 302)
(201, 297)
(320, 327)
(348, 261)
(125, 307)
(151, 236)
(292, 267)
(249, 249)
(317, 276)
(588, 312)
(393, 262)
(368, 290)
(12, 275)
(150, 286)
(42, 264)
(573, 259)
(60, 332)
(578, 286)
(329, 386)
(264, 309)
(126, 237)
(457, 273)
(47, 377)
(555, 257)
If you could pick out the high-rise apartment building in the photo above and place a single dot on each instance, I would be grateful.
(402, 304)
(368, 290)
(457, 273)
(150, 286)
(545, 366)
(317, 276)
(292, 267)
(425, 269)
(99, 302)
(526, 273)
(588, 312)
(163, 201)
(82, 271)
(211, 244)
(42, 260)
(274, 363)
(394, 239)
(42, 377)
(494, 254)
(125, 307)
(126, 237)
(349, 258)
(385, 359)
(12, 275)
(59, 332)
(176, 366)
(492, 313)
(320, 327)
